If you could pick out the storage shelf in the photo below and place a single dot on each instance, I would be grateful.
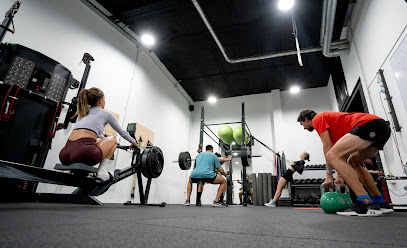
(306, 185)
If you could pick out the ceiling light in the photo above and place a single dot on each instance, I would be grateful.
(236, 162)
(212, 99)
(285, 4)
(295, 89)
(233, 143)
(148, 39)
(235, 154)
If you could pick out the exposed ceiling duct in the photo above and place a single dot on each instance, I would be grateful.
(327, 26)
(334, 49)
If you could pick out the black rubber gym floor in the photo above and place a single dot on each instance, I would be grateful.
(116, 225)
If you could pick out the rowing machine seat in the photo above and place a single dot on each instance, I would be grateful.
(76, 167)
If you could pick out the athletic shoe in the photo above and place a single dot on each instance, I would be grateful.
(217, 204)
(187, 203)
(270, 204)
(383, 207)
(369, 213)
(198, 204)
(359, 207)
(104, 178)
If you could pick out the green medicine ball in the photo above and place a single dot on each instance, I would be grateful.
(237, 135)
(225, 133)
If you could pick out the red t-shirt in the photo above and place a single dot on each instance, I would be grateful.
(339, 123)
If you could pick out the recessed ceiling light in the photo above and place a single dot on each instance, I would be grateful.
(212, 99)
(148, 39)
(235, 154)
(285, 4)
(233, 143)
(295, 89)
(236, 162)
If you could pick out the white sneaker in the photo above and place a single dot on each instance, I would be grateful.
(270, 204)
(187, 203)
(369, 213)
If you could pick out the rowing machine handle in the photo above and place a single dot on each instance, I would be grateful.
(123, 147)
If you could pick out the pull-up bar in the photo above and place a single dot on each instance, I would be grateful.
(224, 123)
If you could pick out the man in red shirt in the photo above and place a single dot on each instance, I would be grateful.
(349, 139)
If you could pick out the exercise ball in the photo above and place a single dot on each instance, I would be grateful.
(225, 133)
(237, 135)
(332, 201)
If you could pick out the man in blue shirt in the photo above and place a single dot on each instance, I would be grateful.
(204, 171)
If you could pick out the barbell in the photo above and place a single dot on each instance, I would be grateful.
(184, 159)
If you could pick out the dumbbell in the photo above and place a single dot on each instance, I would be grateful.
(310, 199)
(314, 181)
(302, 181)
(308, 181)
(303, 200)
(317, 199)
(296, 181)
(296, 199)
(324, 166)
(320, 180)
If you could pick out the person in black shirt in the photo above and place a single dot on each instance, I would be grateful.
(297, 166)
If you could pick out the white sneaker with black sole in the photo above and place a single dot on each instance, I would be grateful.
(187, 203)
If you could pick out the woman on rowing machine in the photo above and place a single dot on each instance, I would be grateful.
(297, 166)
(86, 144)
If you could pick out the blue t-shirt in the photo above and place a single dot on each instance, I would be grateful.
(205, 164)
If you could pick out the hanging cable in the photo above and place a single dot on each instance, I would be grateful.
(297, 44)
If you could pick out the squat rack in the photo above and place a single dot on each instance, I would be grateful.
(244, 155)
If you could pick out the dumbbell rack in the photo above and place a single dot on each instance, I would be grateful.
(304, 185)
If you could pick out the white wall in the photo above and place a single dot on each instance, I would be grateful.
(332, 95)
(272, 118)
(137, 90)
(377, 29)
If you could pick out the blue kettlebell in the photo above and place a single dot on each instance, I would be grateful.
(332, 201)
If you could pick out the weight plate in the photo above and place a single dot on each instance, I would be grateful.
(245, 157)
(152, 162)
(184, 160)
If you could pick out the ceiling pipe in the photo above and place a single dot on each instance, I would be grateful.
(136, 41)
(342, 45)
(327, 27)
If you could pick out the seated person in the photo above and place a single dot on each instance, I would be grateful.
(202, 184)
(249, 189)
(297, 166)
(205, 164)
(86, 144)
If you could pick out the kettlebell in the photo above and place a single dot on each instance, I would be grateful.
(332, 201)
(346, 197)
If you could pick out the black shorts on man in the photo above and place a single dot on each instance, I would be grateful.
(204, 180)
(377, 131)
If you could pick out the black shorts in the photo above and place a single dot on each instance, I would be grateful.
(288, 175)
(376, 130)
(203, 180)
